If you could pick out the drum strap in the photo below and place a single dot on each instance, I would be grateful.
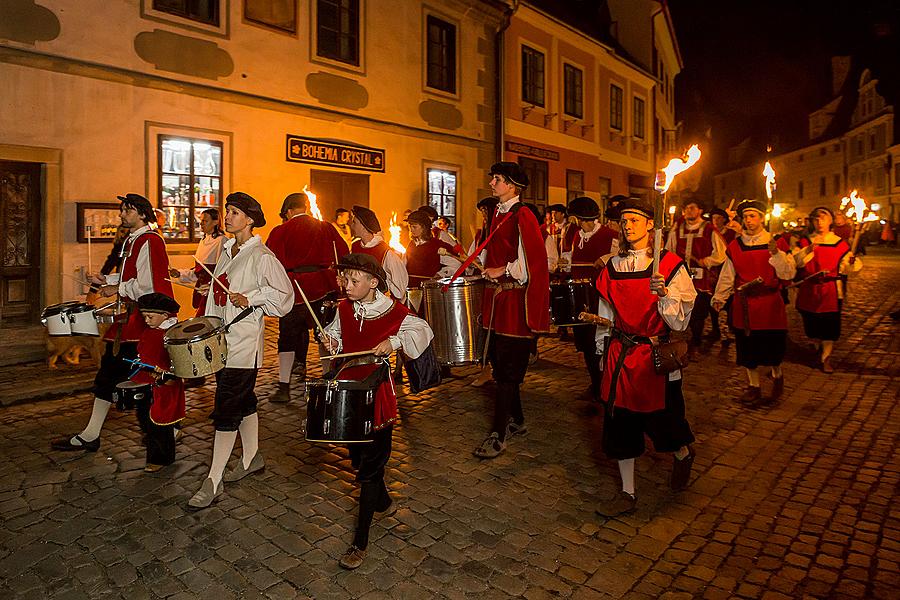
(478, 250)
(243, 314)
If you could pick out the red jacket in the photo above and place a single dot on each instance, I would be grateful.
(307, 248)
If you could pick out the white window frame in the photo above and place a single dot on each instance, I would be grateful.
(222, 30)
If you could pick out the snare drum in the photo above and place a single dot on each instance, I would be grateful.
(196, 347)
(117, 312)
(128, 393)
(56, 319)
(342, 411)
(569, 298)
(81, 318)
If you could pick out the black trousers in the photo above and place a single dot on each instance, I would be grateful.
(113, 369)
(586, 343)
(160, 438)
(509, 360)
(235, 398)
(293, 330)
(698, 316)
(370, 460)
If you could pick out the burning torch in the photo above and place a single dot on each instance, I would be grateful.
(769, 174)
(664, 180)
(861, 215)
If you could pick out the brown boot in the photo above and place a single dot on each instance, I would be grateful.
(352, 558)
(777, 387)
(623, 504)
(751, 395)
(826, 365)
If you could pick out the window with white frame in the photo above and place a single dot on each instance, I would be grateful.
(190, 181)
(442, 193)
(573, 91)
(532, 76)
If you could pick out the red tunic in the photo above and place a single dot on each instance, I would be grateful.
(519, 311)
(378, 251)
(599, 245)
(423, 261)
(701, 247)
(764, 302)
(639, 387)
(820, 294)
(844, 231)
(168, 398)
(307, 248)
(198, 300)
(131, 330)
(356, 338)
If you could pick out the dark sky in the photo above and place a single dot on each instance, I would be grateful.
(758, 67)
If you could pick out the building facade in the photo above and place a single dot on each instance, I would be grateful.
(186, 102)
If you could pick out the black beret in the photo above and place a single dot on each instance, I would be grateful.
(557, 208)
(420, 217)
(248, 205)
(718, 211)
(430, 211)
(692, 200)
(512, 172)
(158, 303)
(489, 203)
(638, 206)
(583, 208)
(367, 217)
(757, 205)
(141, 205)
(618, 198)
(357, 261)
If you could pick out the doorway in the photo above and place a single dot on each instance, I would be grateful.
(20, 244)
(335, 189)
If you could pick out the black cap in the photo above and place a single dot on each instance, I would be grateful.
(718, 211)
(158, 303)
(357, 261)
(512, 172)
(757, 205)
(638, 206)
(490, 203)
(420, 217)
(248, 205)
(823, 208)
(687, 199)
(430, 211)
(583, 207)
(141, 205)
(557, 208)
(367, 218)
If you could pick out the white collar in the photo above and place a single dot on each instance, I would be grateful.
(253, 241)
(168, 322)
(134, 234)
(373, 242)
(504, 207)
(762, 237)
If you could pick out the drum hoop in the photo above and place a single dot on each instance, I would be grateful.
(59, 308)
(82, 308)
(131, 385)
(572, 282)
(458, 282)
(169, 341)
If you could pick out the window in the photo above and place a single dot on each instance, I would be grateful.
(278, 14)
(202, 11)
(532, 76)
(441, 55)
(837, 183)
(822, 191)
(574, 184)
(615, 107)
(442, 193)
(872, 142)
(536, 170)
(573, 91)
(337, 30)
(190, 181)
(605, 186)
(800, 189)
(860, 150)
(638, 117)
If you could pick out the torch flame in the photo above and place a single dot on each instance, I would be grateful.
(313, 206)
(769, 173)
(857, 206)
(676, 166)
(395, 235)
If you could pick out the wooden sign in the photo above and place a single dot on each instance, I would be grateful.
(326, 152)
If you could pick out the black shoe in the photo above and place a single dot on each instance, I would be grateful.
(714, 335)
(282, 395)
(513, 428)
(623, 504)
(681, 470)
(777, 388)
(750, 396)
(65, 444)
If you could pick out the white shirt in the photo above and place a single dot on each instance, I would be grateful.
(207, 253)
(674, 308)
(397, 277)
(256, 273)
(783, 265)
(143, 282)
(716, 257)
(414, 335)
(518, 268)
(804, 255)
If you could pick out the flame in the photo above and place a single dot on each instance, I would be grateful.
(313, 205)
(676, 166)
(858, 209)
(769, 173)
(395, 235)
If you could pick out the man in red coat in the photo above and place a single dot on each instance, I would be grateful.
(144, 269)
(308, 249)
(516, 302)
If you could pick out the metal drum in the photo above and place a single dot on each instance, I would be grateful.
(342, 410)
(196, 347)
(571, 297)
(115, 312)
(81, 318)
(454, 317)
(128, 393)
(56, 318)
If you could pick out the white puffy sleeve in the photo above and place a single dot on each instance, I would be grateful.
(413, 337)
(275, 293)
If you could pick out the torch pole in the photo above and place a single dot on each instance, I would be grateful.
(659, 218)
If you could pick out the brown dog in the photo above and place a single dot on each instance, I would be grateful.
(69, 347)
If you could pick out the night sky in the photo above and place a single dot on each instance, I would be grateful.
(759, 67)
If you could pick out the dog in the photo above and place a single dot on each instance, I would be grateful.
(69, 347)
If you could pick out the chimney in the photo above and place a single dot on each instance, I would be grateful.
(840, 68)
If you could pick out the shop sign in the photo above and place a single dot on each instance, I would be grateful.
(326, 152)
(531, 151)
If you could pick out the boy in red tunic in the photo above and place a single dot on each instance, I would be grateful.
(158, 413)
(643, 301)
(366, 229)
(823, 260)
(369, 319)
(755, 271)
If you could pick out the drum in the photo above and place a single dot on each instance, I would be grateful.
(571, 297)
(56, 319)
(328, 310)
(196, 347)
(81, 318)
(116, 312)
(454, 317)
(128, 393)
(342, 410)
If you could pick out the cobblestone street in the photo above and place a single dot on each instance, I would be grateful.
(796, 500)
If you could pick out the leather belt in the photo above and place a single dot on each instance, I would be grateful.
(308, 268)
(629, 342)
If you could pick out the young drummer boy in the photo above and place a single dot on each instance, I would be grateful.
(159, 412)
(369, 319)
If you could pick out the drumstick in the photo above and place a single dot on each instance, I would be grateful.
(475, 263)
(176, 282)
(349, 354)
(216, 279)
(587, 317)
(312, 312)
(78, 279)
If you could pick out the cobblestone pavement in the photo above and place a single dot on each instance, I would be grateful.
(797, 500)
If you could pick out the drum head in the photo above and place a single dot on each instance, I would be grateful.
(126, 385)
(55, 309)
(194, 329)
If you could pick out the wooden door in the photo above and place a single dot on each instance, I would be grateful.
(20, 244)
(335, 189)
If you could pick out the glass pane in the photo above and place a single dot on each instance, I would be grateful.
(434, 201)
(179, 222)
(435, 181)
(206, 192)
(176, 156)
(450, 183)
(449, 205)
(207, 159)
(175, 190)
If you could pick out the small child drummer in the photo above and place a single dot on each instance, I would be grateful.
(369, 320)
(159, 412)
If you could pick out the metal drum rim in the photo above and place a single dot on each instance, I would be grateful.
(464, 281)
(167, 341)
(61, 307)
